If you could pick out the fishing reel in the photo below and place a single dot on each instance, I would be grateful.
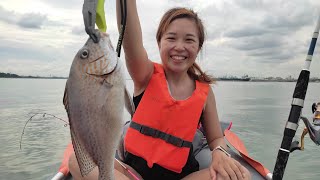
(313, 129)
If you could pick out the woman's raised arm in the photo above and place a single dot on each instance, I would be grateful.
(139, 66)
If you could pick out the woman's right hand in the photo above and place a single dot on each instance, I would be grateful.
(224, 167)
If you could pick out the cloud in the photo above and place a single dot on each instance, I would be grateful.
(247, 31)
(8, 16)
(20, 57)
(263, 32)
(74, 4)
(32, 20)
(290, 22)
(26, 49)
(255, 37)
(258, 42)
(78, 30)
(27, 20)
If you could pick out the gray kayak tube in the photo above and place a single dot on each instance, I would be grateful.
(201, 151)
(204, 162)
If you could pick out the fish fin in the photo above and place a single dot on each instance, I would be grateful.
(120, 149)
(128, 102)
(85, 161)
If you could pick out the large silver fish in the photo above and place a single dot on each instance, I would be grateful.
(95, 97)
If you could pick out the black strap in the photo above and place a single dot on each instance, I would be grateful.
(123, 8)
(148, 131)
(314, 107)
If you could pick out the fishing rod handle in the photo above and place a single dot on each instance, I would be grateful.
(288, 135)
(295, 112)
(291, 127)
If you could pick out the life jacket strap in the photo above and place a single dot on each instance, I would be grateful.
(148, 131)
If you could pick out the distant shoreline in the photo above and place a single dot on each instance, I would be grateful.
(246, 79)
(10, 75)
(33, 77)
(219, 80)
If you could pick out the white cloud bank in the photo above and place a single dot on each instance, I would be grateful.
(254, 37)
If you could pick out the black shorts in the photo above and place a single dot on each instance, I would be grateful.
(158, 172)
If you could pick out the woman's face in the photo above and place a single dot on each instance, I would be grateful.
(179, 45)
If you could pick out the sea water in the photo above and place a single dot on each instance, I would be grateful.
(258, 110)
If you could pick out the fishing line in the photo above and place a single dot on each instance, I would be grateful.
(130, 172)
(43, 115)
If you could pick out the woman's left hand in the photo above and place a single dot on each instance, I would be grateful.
(227, 168)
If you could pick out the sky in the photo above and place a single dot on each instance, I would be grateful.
(260, 38)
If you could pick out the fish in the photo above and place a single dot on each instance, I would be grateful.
(94, 98)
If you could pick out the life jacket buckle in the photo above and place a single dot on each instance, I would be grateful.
(174, 141)
(147, 131)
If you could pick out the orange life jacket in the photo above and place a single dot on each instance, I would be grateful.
(162, 129)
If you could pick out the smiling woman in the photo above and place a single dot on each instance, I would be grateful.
(182, 33)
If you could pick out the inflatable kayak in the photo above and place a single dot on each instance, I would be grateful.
(257, 170)
(63, 172)
(202, 154)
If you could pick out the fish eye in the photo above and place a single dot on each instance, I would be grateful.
(84, 54)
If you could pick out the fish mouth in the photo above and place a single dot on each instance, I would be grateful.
(104, 68)
(99, 58)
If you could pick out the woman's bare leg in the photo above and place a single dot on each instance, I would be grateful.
(119, 172)
(203, 174)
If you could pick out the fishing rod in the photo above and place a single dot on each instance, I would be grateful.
(295, 112)
(123, 10)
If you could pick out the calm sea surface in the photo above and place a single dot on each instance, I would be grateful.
(258, 110)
